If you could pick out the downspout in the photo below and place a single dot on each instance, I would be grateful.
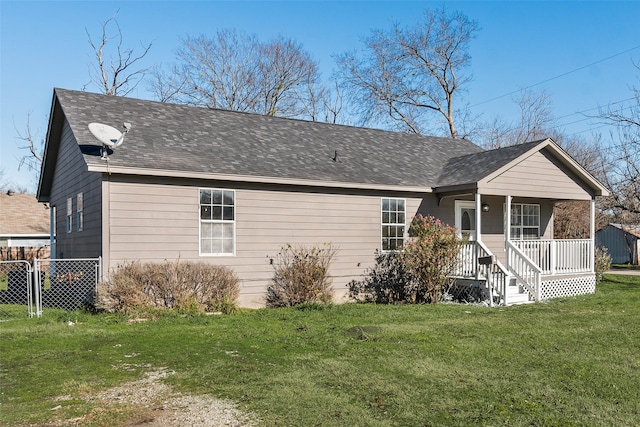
(52, 231)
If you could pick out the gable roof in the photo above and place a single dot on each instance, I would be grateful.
(174, 140)
(472, 168)
(178, 140)
(21, 214)
(634, 230)
(478, 168)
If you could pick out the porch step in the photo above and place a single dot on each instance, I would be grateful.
(516, 295)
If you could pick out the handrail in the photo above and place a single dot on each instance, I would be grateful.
(468, 267)
(524, 269)
(498, 274)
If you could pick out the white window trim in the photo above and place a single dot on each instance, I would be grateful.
(69, 218)
(382, 224)
(200, 221)
(521, 227)
(79, 212)
(464, 204)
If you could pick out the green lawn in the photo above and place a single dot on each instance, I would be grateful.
(568, 362)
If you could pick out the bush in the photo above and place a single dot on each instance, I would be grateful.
(602, 263)
(431, 256)
(301, 276)
(387, 282)
(185, 286)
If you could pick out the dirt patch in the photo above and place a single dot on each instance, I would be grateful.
(151, 403)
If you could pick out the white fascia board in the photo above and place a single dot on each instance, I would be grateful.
(255, 179)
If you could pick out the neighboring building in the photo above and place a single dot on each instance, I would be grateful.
(232, 188)
(24, 225)
(622, 242)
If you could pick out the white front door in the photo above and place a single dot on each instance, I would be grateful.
(466, 218)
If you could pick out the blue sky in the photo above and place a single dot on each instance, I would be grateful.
(44, 45)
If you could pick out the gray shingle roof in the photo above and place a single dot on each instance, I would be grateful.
(183, 138)
(473, 167)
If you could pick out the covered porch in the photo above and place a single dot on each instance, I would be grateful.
(504, 206)
(525, 266)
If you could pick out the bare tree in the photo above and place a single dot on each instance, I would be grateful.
(405, 75)
(535, 121)
(114, 71)
(35, 149)
(623, 177)
(236, 71)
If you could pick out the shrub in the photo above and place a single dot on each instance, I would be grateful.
(602, 263)
(387, 282)
(301, 276)
(430, 256)
(185, 286)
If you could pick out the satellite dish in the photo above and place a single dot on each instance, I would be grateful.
(109, 136)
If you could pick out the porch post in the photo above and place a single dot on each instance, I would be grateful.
(592, 235)
(507, 231)
(478, 233)
(478, 217)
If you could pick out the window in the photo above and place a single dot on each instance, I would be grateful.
(525, 221)
(69, 213)
(393, 224)
(79, 212)
(217, 222)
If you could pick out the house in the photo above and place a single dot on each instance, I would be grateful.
(24, 227)
(622, 242)
(232, 188)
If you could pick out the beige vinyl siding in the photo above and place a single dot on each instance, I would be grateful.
(71, 178)
(538, 176)
(153, 222)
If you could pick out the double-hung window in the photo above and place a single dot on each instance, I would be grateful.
(525, 221)
(393, 224)
(217, 222)
(79, 212)
(69, 214)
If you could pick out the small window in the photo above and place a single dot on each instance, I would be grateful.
(69, 214)
(525, 221)
(393, 224)
(217, 222)
(79, 212)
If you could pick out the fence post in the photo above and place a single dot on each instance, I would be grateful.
(37, 287)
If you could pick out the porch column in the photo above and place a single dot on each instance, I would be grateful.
(592, 235)
(478, 233)
(507, 231)
(478, 217)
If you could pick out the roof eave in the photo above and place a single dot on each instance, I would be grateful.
(456, 188)
(50, 152)
(255, 179)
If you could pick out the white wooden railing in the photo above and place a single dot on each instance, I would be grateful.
(469, 267)
(558, 256)
(525, 269)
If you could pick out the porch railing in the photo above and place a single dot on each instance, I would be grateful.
(558, 256)
(469, 267)
(525, 269)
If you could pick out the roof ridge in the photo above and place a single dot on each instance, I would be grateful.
(263, 116)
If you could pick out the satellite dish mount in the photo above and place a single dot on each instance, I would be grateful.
(110, 137)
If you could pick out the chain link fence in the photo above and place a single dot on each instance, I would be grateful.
(67, 284)
(16, 286)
